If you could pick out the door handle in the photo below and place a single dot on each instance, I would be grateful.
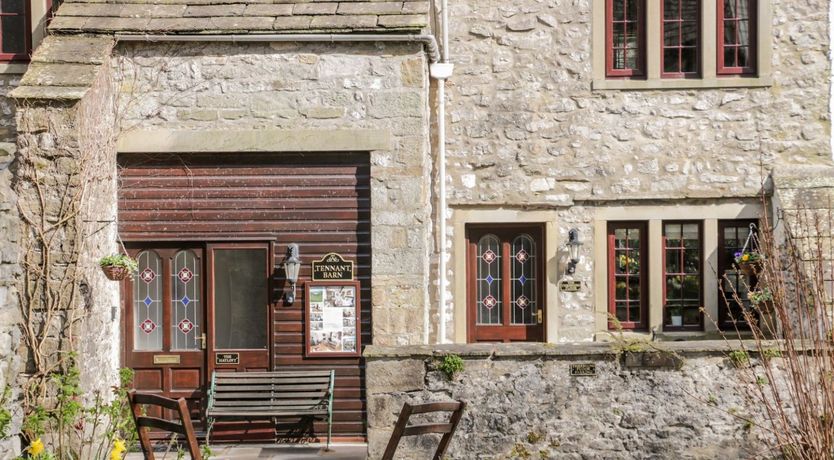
(202, 339)
(540, 316)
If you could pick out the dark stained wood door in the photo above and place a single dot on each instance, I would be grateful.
(505, 283)
(320, 201)
(164, 322)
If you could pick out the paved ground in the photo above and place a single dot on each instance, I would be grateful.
(246, 452)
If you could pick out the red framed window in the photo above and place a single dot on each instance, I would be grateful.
(736, 37)
(732, 297)
(627, 275)
(683, 276)
(681, 30)
(625, 24)
(15, 33)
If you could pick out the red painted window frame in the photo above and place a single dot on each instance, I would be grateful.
(727, 263)
(643, 324)
(610, 71)
(751, 69)
(663, 47)
(27, 26)
(667, 317)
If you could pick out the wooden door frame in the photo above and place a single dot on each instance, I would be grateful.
(537, 231)
(210, 247)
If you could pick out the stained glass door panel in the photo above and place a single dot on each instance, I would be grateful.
(163, 322)
(504, 291)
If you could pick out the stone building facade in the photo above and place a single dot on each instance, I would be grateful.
(129, 100)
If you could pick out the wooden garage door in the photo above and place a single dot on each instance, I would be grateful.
(319, 201)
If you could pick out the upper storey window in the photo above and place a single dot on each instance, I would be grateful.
(648, 44)
(626, 30)
(681, 31)
(15, 34)
(736, 37)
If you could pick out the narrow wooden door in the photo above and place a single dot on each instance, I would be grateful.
(239, 332)
(164, 322)
(505, 283)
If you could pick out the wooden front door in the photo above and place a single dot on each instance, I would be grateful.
(505, 283)
(164, 326)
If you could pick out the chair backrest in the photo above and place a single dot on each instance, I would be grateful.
(179, 407)
(402, 428)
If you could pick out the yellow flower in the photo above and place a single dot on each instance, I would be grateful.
(36, 448)
(745, 257)
(118, 449)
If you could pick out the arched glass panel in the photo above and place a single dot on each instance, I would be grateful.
(147, 303)
(186, 301)
(523, 280)
(489, 280)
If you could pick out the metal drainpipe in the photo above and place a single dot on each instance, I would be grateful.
(442, 72)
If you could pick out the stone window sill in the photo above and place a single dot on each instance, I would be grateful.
(682, 83)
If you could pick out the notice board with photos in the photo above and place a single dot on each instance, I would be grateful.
(332, 318)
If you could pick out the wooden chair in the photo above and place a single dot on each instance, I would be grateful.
(143, 421)
(447, 429)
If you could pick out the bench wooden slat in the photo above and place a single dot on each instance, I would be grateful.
(269, 388)
(267, 414)
(256, 403)
(271, 375)
(273, 380)
(294, 395)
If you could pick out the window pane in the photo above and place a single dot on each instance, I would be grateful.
(631, 59)
(743, 56)
(14, 34)
(11, 6)
(689, 60)
(634, 288)
(147, 303)
(634, 238)
(729, 8)
(619, 9)
(186, 302)
(671, 33)
(523, 281)
(634, 313)
(671, 9)
(743, 8)
(240, 298)
(730, 32)
(489, 280)
(730, 57)
(633, 10)
(670, 60)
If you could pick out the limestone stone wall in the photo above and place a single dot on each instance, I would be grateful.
(10, 361)
(254, 86)
(522, 402)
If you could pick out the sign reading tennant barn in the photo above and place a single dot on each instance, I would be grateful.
(332, 267)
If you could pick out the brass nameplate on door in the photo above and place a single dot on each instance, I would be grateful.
(570, 286)
(227, 358)
(166, 359)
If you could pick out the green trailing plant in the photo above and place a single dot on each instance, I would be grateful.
(119, 260)
(760, 296)
(5, 413)
(739, 358)
(450, 365)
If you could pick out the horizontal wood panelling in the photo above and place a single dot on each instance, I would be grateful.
(320, 201)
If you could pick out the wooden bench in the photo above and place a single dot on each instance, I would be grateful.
(271, 395)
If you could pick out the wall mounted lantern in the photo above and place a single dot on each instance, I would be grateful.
(573, 249)
(291, 266)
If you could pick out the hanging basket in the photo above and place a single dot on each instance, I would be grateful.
(115, 273)
(750, 268)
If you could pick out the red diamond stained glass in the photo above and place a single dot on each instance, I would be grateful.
(522, 256)
(185, 326)
(522, 302)
(147, 326)
(489, 256)
(185, 275)
(490, 302)
(147, 275)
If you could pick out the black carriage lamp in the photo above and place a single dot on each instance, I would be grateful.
(291, 266)
(573, 248)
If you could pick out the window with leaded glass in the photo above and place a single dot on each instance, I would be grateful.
(735, 284)
(503, 283)
(736, 37)
(147, 303)
(681, 31)
(682, 261)
(627, 275)
(625, 24)
(186, 302)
